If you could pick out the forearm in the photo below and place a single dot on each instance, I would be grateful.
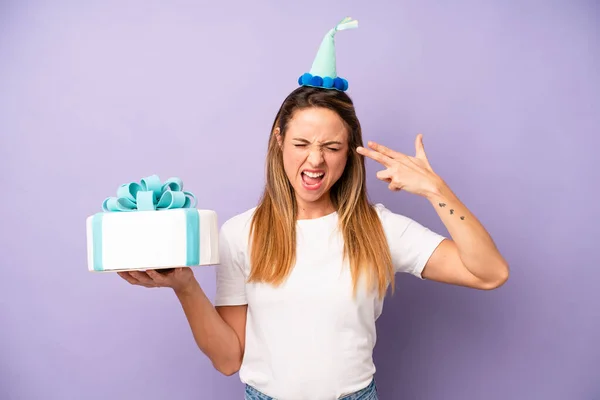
(212, 334)
(476, 248)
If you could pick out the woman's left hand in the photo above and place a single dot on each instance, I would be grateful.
(402, 172)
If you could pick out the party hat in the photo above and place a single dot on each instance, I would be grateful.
(323, 72)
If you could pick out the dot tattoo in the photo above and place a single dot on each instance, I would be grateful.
(451, 210)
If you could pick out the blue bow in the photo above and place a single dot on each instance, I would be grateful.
(150, 194)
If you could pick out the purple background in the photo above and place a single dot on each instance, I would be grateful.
(93, 94)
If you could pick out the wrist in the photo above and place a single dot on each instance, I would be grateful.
(437, 190)
(187, 290)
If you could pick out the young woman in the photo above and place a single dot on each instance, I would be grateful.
(303, 275)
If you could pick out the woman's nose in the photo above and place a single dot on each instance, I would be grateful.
(315, 156)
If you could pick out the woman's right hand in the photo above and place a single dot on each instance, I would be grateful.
(179, 279)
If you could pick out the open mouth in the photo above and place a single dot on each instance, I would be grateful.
(312, 179)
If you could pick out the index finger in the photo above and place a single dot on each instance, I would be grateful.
(374, 155)
(385, 150)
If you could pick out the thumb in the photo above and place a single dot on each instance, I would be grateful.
(419, 148)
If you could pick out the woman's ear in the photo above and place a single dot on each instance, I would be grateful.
(277, 133)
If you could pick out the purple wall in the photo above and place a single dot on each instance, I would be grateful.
(507, 98)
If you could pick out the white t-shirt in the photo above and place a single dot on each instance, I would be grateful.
(309, 339)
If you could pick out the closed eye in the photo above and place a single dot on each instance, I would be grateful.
(328, 148)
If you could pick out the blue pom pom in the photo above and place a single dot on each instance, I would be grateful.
(316, 81)
(327, 82)
(338, 83)
(300, 80)
(305, 79)
(345, 84)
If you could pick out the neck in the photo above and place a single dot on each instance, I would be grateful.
(315, 209)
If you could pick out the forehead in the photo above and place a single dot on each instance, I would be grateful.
(317, 124)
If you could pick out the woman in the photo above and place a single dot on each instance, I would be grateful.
(298, 324)
(303, 275)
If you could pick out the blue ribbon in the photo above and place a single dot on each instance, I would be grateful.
(150, 194)
(147, 195)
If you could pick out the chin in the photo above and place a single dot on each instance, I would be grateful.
(311, 195)
(309, 198)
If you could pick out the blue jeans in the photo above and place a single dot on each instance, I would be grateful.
(368, 393)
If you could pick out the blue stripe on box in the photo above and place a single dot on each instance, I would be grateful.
(192, 232)
(97, 241)
(192, 227)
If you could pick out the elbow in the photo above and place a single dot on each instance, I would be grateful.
(229, 372)
(502, 275)
(228, 369)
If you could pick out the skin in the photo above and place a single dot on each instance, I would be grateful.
(470, 258)
(317, 140)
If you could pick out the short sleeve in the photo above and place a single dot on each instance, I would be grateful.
(231, 279)
(411, 244)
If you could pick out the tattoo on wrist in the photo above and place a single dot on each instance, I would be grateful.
(451, 210)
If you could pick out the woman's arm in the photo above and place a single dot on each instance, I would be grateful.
(218, 332)
(470, 258)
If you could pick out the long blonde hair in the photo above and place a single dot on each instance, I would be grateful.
(273, 226)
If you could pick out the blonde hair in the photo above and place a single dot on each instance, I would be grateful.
(273, 226)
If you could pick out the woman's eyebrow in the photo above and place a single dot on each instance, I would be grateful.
(323, 144)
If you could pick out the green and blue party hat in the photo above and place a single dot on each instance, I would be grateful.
(323, 72)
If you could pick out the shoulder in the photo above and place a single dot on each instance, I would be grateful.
(411, 243)
(401, 225)
(239, 221)
(237, 228)
(390, 219)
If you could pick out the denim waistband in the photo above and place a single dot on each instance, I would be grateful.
(368, 393)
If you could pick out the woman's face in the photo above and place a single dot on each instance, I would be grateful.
(315, 150)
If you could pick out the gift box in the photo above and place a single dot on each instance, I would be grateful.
(151, 225)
